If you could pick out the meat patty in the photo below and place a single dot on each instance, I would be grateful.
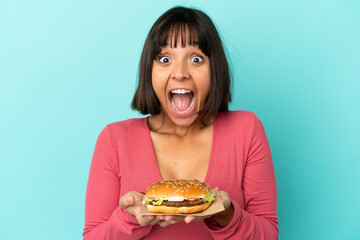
(182, 203)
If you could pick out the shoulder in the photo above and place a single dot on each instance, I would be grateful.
(129, 124)
(125, 127)
(238, 122)
(239, 117)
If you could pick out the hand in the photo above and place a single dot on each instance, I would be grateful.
(131, 202)
(223, 218)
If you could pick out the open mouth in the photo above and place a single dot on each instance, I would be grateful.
(182, 100)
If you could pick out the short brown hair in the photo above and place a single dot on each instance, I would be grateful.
(208, 40)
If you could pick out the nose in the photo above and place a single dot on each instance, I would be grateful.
(180, 71)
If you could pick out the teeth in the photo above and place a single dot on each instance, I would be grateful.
(180, 91)
(191, 104)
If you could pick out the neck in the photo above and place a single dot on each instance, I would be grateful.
(162, 124)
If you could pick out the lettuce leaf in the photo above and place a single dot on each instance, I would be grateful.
(158, 202)
(209, 198)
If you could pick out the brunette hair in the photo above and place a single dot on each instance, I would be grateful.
(201, 32)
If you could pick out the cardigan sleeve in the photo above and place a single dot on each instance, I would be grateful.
(104, 218)
(258, 219)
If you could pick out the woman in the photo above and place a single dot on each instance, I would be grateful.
(184, 85)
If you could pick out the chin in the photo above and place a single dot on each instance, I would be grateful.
(184, 122)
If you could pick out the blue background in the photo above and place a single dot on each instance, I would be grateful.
(68, 68)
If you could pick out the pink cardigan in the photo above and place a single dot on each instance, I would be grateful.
(240, 164)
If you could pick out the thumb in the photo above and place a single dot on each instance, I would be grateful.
(129, 199)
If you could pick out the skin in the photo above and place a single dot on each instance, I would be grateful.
(174, 136)
(181, 68)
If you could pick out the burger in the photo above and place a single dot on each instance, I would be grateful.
(178, 196)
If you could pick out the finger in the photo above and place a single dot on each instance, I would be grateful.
(164, 223)
(224, 196)
(130, 199)
(128, 204)
(189, 219)
(127, 200)
(144, 220)
(176, 218)
(169, 219)
(156, 220)
(149, 219)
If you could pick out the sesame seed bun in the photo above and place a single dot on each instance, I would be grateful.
(188, 189)
(178, 210)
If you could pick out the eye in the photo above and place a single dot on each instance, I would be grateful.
(197, 59)
(164, 59)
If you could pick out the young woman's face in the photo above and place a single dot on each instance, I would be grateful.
(181, 81)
